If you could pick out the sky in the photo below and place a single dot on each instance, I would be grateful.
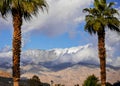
(61, 29)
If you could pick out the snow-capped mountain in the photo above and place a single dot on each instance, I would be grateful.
(58, 56)
(58, 63)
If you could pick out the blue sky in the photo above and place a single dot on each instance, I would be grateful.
(60, 41)
(60, 30)
(61, 27)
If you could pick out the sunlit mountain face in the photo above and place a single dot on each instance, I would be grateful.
(61, 65)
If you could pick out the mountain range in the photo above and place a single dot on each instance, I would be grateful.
(68, 66)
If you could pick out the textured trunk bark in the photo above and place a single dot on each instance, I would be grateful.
(16, 83)
(17, 22)
(102, 56)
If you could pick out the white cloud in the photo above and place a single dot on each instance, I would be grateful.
(86, 54)
(116, 62)
(6, 54)
(61, 17)
(6, 48)
(112, 44)
(112, 38)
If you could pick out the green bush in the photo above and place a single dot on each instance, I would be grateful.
(108, 84)
(34, 81)
(91, 80)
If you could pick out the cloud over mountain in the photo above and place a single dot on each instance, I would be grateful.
(85, 54)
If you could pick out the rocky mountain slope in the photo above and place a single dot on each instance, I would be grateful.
(73, 75)
(67, 66)
(69, 76)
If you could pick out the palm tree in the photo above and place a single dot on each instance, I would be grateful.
(19, 9)
(99, 18)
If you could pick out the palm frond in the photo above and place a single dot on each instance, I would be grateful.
(100, 16)
(89, 18)
(114, 11)
(111, 4)
(113, 27)
(86, 10)
(31, 7)
(27, 16)
(96, 3)
(103, 1)
(113, 23)
(4, 8)
(26, 7)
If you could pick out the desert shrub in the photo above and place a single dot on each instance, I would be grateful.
(76, 85)
(108, 84)
(34, 81)
(59, 85)
(45, 84)
(91, 80)
(116, 83)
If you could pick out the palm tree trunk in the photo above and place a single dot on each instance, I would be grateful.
(16, 83)
(102, 56)
(17, 22)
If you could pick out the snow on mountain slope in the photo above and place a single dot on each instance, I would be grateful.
(86, 54)
(38, 55)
